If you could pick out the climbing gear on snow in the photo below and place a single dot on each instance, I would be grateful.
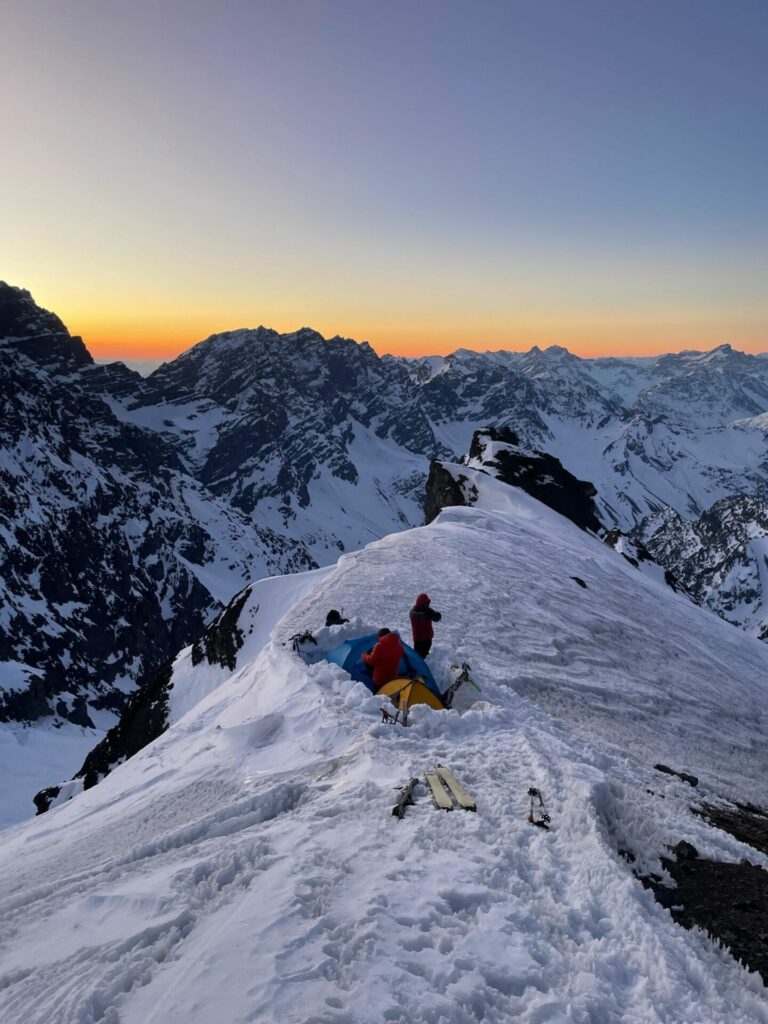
(388, 718)
(462, 677)
(444, 787)
(538, 816)
(439, 794)
(301, 638)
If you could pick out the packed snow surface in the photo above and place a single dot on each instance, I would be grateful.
(246, 866)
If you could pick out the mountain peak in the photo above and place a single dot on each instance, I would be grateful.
(41, 335)
(725, 350)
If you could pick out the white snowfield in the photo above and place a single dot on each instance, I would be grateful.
(246, 867)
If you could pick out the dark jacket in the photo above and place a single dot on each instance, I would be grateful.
(384, 659)
(422, 617)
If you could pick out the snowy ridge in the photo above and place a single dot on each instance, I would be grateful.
(245, 866)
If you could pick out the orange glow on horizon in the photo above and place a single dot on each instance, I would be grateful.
(123, 340)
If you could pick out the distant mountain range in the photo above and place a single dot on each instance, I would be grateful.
(132, 508)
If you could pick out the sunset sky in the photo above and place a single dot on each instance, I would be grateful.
(423, 174)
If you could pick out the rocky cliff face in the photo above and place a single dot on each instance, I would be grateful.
(721, 557)
(537, 473)
(497, 451)
(445, 490)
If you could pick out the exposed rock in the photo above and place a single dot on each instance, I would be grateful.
(223, 638)
(444, 490)
(692, 780)
(45, 798)
(480, 438)
(718, 556)
(744, 822)
(144, 718)
(102, 530)
(730, 901)
(539, 474)
(685, 850)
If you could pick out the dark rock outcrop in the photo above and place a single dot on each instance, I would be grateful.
(495, 451)
(730, 901)
(223, 638)
(45, 798)
(692, 780)
(545, 478)
(744, 822)
(144, 718)
(444, 490)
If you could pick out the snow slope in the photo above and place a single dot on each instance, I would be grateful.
(245, 866)
(31, 757)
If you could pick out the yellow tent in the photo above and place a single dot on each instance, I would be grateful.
(407, 692)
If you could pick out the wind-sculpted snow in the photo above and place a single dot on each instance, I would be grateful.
(246, 866)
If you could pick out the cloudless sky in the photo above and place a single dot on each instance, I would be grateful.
(423, 174)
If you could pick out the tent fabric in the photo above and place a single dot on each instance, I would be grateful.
(349, 656)
(407, 692)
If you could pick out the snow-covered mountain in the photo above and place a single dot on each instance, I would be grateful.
(721, 557)
(246, 866)
(132, 508)
(678, 431)
(112, 554)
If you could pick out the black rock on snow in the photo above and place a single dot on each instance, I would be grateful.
(496, 451)
(444, 490)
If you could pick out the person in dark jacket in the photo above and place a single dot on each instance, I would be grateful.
(422, 617)
(383, 660)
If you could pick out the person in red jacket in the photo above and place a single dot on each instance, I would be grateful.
(422, 617)
(384, 659)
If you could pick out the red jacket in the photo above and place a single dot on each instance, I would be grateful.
(384, 659)
(422, 617)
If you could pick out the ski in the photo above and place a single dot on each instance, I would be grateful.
(406, 798)
(462, 796)
(441, 797)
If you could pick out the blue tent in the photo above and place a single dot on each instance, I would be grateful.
(349, 656)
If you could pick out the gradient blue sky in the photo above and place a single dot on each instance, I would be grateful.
(420, 174)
